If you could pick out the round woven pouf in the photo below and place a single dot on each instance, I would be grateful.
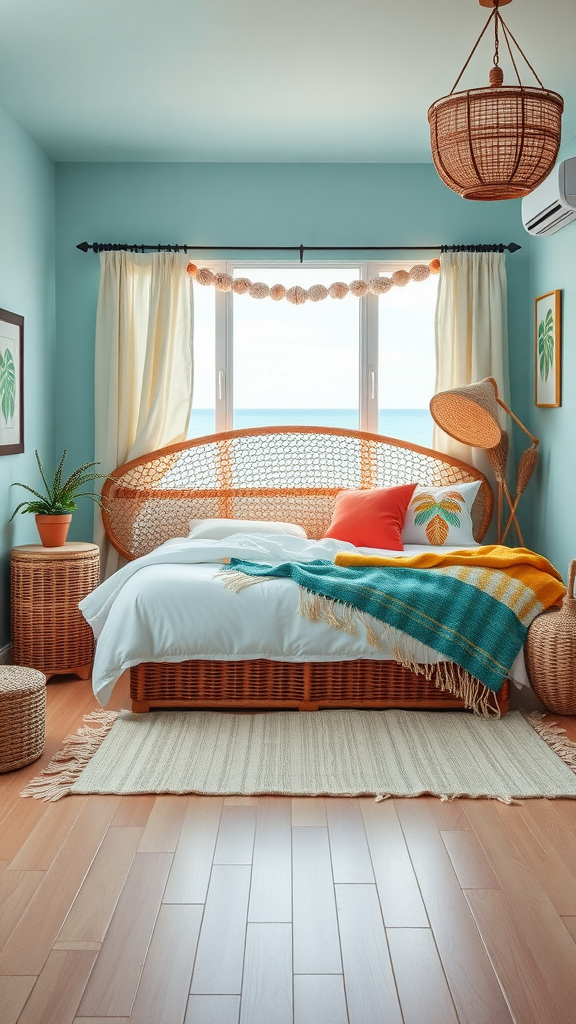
(551, 653)
(22, 716)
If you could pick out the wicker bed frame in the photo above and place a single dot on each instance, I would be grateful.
(291, 474)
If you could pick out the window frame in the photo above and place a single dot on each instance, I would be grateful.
(368, 412)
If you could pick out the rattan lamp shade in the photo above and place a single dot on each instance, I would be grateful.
(495, 143)
(469, 414)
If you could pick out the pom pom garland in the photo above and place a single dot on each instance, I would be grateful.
(419, 273)
(297, 295)
(259, 290)
(317, 292)
(241, 285)
(205, 276)
(338, 290)
(223, 282)
(400, 278)
(380, 285)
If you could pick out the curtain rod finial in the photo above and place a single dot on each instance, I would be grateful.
(513, 247)
(84, 246)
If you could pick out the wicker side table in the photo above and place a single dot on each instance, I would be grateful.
(48, 630)
(22, 716)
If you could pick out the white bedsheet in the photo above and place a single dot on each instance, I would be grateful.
(171, 605)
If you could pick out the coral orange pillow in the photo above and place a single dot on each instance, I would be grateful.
(371, 519)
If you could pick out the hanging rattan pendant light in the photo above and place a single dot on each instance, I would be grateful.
(501, 141)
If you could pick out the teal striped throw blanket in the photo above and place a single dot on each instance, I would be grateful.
(466, 623)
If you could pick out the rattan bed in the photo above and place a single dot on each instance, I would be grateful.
(274, 473)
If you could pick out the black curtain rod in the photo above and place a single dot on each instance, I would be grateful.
(301, 249)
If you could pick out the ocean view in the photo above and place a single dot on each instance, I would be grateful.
(414, 425)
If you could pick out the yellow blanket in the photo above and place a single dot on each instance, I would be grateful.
(529, 568)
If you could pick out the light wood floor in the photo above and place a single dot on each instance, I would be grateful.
(173, 909)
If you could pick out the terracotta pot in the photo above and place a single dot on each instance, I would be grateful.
(53, 530)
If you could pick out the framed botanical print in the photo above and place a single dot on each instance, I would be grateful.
(547, 343)
(11, 383)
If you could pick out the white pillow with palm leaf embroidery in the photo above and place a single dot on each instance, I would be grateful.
(441, 516)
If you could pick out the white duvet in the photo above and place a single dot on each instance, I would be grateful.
(172, 605)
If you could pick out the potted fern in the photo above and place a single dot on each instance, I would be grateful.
(53, 510)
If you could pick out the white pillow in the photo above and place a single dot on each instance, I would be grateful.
(441, 516)
(219, 529)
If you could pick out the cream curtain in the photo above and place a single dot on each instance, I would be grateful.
(144, 362)
(471, 334)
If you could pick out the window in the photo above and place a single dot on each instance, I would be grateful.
(367, 363)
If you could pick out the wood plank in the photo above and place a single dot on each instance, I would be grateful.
(422, 987)
(570, 925)
(271, 888)
(544, 817)
(239, 799)
(162, 994)
(472, 982)
(116, 975)
(398, 890)
(370, 989)
(77, 945)
(20, 817)
(14, 992)
(192, 864)
(469, 861)
(100, 1020)
(134, 811)
(316, 941)
(55, 996)
(448, 815)
(547, 865)
(308, 810)
(319, 999)
(348, 844)
(3, 865)
(17, 889)
(27, 949)
(551, 945)
(49, 835)
(213, 1010)
(267, 981)
(235, 841)
(162, 829)
(528, 995)
(92, 910)
(219, 960)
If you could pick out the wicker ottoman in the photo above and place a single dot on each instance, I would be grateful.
(49, 631)
(22, 716)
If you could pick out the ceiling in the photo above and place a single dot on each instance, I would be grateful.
(256, 80)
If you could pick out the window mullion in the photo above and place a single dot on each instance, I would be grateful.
(369, 356)
(223, 386)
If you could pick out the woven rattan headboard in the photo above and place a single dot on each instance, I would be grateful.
(291, 474)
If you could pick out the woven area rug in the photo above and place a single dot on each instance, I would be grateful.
(336, 753)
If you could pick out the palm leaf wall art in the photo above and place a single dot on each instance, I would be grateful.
(11, 383)
(547, 349)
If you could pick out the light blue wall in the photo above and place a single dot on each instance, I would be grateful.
(553, 499)
(251, 204)
(27, 288)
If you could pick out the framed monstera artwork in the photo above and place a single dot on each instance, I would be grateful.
(11, 383)
(548, 350)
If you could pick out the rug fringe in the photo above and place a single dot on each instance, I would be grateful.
(555, 736)
(57, 779)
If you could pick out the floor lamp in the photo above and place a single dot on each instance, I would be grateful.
(470, 414)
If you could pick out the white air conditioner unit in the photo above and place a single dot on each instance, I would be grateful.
(553, 204)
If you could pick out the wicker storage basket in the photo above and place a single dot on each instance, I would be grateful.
(22, 716)
(48, 630)
(551, 653)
